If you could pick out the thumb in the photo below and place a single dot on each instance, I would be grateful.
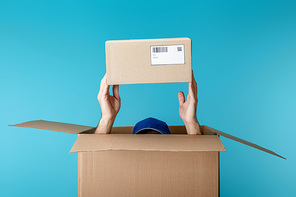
(181, 98)
(116, 92)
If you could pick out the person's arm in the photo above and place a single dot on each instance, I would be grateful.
(110, 106)
(187, 109)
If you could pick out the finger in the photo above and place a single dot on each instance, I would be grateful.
(116, 91)
(101, 87)
(194, 84)
(103, 81)
(181, 98)
(190, 89)
(104, 88)
(193, 79)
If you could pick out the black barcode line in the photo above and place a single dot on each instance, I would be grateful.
(160, 49)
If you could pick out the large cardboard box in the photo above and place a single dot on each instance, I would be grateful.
(123, 164)
(148, 61)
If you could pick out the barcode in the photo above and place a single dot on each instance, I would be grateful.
(179, 48)
(160, 49)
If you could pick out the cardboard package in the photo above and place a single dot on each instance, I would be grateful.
(124, 164)
(148, 61)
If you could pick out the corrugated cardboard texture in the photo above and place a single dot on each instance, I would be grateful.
(211, 130)
(128, 62)
(176, 143)
(78, 129)
(144, 173)
(54, 126)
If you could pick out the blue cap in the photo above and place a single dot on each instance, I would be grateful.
(153, 124)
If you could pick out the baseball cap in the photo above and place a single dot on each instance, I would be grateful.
(153, 124)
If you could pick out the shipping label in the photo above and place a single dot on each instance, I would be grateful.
(167, 54)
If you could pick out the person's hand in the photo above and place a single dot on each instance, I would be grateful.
(110, 106)
(187, 109)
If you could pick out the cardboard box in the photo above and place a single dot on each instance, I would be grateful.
(123, 164)
(148, 61)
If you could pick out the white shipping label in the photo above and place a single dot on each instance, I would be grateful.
(167, 54)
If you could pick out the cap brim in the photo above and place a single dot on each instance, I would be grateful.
(150, 129)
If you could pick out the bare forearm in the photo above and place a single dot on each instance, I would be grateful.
(193, 128)
(104, 126)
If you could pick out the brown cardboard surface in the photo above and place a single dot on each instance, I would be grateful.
(176, 143)
(209, 129)
(128, 62)
(122, 164)
(145, 173)
(78, 129)
(54, 126)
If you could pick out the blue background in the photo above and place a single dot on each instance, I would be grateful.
(52, 60)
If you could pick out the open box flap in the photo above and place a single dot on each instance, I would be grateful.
(55, 126)
(149, 142)
(79, 129)
(215, 131)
